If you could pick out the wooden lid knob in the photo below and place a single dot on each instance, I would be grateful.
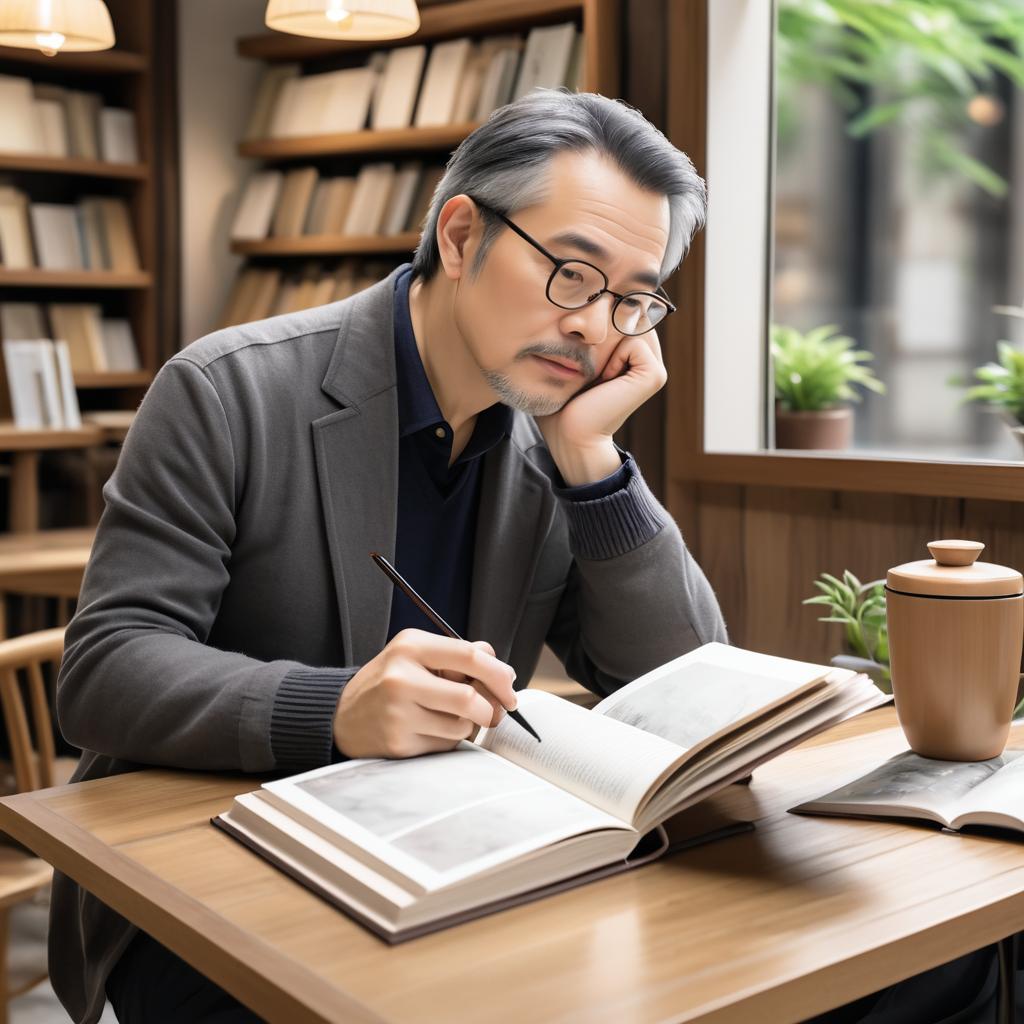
(955, 552)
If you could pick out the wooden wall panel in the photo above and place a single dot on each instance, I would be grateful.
(762, 548)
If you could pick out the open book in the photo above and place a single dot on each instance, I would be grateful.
(409, 846)
(956, 794)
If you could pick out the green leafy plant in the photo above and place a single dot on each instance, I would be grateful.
(815, 370)
(860, 608)
(882, 60)
(1002, 382)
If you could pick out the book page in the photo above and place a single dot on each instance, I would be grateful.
(696, 697)
(435, 819)
(609, 764)
(911, 785)
(1000, 793)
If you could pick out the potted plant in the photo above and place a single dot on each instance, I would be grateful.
(1002, 382)
(814, 374)
(860, 607)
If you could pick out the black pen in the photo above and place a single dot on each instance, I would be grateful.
(399, 581)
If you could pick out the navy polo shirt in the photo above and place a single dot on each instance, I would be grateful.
(437, 504)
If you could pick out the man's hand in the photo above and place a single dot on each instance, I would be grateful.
(413, 698)
(579, 435)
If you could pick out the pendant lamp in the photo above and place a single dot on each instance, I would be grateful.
(344, 19)
(54, 25)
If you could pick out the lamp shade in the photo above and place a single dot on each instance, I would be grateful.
(52, 25)
(344, 19)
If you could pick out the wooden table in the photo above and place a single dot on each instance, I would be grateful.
(799, 916)
(24, 447)
(47, 563)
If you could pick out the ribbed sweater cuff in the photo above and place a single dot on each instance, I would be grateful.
(302, 719)
(617, 523)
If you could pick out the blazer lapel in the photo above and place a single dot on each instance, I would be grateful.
(515, 512)
(357, 468)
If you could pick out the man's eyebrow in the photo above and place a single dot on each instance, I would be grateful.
(574, 240)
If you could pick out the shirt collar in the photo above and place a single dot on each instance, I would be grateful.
(417, 407)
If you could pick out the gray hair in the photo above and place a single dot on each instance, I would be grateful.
(504, 164)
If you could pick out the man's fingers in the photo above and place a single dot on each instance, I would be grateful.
(442, 653)
(454, 699)
(438, 725)
(497, 711)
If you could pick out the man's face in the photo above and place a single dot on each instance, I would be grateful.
(533, 354)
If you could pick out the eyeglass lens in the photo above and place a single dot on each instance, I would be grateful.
(575, 284)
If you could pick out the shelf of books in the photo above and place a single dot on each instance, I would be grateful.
(77, 231)
(353, 137)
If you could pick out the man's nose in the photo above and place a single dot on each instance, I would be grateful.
(590, 323)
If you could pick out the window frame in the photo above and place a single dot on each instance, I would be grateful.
(688, 460)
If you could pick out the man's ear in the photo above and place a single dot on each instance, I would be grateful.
(455, 236)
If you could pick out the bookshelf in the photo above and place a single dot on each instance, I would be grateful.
(598, 22)
(125, 78)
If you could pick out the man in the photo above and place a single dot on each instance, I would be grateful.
(457, 417)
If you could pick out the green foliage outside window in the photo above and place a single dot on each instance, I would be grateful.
(882, 59)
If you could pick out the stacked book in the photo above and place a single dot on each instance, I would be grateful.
(458, 81)
(95, 343)
(261, 292)
(50, 120)
(93, 234)
(382, 199)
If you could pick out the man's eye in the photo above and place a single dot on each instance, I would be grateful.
(572, 276)
(632, 304)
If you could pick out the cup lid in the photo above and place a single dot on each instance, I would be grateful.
(953, 572)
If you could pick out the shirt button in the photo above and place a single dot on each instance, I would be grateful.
(439, 432)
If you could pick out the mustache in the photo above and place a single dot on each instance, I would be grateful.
(580, 357)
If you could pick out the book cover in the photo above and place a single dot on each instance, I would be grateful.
(400, 84)
(19, 126)
(546, 58)
(55, 233)
(441, 83)
(118, 136)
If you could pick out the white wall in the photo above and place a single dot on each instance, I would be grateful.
(215, 87)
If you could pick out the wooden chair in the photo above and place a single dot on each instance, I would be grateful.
(34, 766)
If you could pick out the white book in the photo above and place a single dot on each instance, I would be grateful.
(307, 112)
(546, 59)
(15, 232)
(24, 381)
(119, 345)
(441, 83)
(286, 108)
(57, 237)
(373, 186)
(19, 126)
(256, 210)
(22, 321)
(53, 126)
(347, 104)
(117, 136)
(68, 396)
(498, 82)
(407, 846)
(267, 95)
(400, 84)
(399, 204)
(32, 378)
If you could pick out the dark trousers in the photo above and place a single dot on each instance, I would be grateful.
(150, 985)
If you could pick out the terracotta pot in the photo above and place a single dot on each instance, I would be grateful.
(955, 635)
(826, 428)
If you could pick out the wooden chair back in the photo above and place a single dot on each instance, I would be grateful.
(21, 674)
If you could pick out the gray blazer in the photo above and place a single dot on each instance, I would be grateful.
(260, 471)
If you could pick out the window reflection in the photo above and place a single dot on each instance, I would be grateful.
(899, 206)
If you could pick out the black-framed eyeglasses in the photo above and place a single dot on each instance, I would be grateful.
(574, 284)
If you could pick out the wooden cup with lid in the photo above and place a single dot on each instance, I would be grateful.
(956, 628)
